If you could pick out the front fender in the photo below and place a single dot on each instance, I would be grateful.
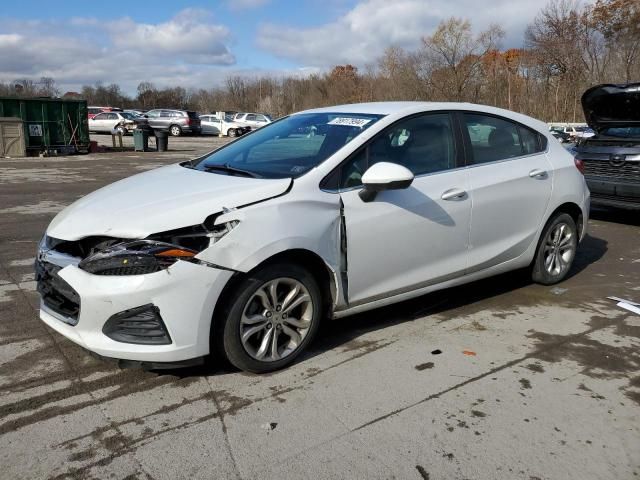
(274, 227)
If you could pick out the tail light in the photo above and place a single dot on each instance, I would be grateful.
(579, 165)
(188, 121)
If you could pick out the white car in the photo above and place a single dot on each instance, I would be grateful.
(118, 122)
(578, 132)
(247, 249)
(212, 125)
(253, 120)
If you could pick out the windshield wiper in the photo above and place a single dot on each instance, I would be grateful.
(228, 168)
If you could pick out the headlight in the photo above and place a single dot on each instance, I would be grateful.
(157, 252)
(135, 258)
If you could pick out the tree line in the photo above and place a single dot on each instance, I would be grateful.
(567, 48)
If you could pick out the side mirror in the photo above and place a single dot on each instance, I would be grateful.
(384, 176)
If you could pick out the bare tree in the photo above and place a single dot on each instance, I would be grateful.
(453, 56)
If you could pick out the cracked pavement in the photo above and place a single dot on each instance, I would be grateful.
(499, 379)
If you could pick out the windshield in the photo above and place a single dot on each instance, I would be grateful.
(129, 115)
(289, 147)
(622, 132)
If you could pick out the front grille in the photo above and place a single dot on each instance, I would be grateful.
(141, 325)
(629, 171)
(132, 270)
(57, 295)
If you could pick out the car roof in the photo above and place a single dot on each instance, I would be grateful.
(407, 108)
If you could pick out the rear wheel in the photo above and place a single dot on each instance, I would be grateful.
(232, 132)
(175, 131)
(556, 250)
(270, 319)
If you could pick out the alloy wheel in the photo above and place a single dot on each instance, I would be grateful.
(559, 249)
(276, 319)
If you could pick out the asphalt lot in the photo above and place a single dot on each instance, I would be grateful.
(531, 382)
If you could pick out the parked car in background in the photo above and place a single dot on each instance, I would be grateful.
(137, 113)
(561, 136)
(212, 125)
(578, 131)
(118, 122)
(177, 122)
(93, 111)
(253, 120)
(248, 249)
(611, 158)
(582, 132)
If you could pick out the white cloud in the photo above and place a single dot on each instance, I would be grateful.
(187, 36)
(26, 55)
(189, 50)
(363, 33)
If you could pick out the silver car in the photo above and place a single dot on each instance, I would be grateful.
(253, 120)
(212, 125)
(177, 122)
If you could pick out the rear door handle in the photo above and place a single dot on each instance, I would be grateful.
(537, 173)
(454, 194)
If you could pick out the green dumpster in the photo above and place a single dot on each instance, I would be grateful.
(141, 140)
(52, 125)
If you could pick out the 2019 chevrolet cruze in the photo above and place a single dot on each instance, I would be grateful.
(321, 214)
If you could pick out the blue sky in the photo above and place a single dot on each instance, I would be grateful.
(196, 44)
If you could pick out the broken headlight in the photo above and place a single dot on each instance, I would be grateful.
(137, 257)
(155, 253)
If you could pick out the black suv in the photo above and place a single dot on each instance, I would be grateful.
(611, 158)
(176, 121)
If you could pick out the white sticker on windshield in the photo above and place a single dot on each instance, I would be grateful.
(350, 121)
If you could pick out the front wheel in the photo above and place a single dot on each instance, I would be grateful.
(232, 132)
(556, 250)
(121, 131)
(270, 319)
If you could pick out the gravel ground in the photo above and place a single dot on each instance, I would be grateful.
(500, 379)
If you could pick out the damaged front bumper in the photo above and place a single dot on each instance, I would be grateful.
(171, 310)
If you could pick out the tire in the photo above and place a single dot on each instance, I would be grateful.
(556, 250)
(250, 314)
(121, 131)
(232, 132)
(175, 130)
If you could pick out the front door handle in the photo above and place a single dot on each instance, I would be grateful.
(537, 173)
(454, 194)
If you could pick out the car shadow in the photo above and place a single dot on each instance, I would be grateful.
(416, 202)
(345, 332)
(590, 250)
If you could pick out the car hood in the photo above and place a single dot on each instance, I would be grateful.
(610, 105)
(159, 200)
